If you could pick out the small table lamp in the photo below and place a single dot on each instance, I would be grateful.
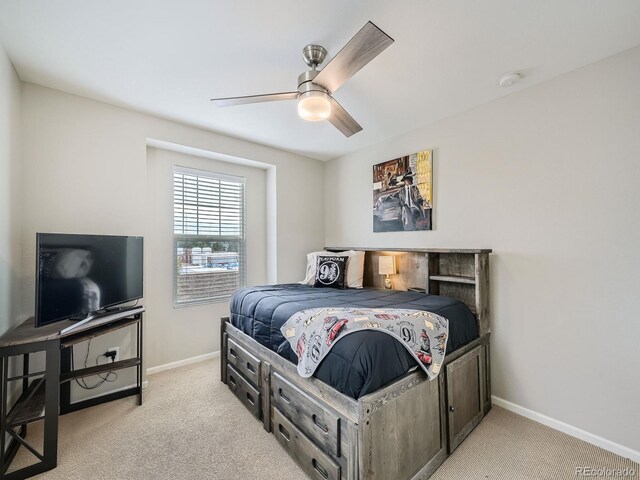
(387, 266)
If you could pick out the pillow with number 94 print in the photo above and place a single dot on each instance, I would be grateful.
(331, 271)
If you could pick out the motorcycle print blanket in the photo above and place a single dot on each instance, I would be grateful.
(313, 332)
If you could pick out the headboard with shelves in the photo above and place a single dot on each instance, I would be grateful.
(459, 273)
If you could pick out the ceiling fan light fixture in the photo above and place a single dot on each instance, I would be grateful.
(314, 106)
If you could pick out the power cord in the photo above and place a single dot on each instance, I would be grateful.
(81, 381)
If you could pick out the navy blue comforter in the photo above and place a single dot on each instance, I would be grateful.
(361, 362)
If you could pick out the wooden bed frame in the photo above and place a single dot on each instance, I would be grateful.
(405, 429)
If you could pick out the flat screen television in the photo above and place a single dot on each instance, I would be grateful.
(80, 275)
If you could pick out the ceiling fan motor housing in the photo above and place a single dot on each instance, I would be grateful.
(305, 83)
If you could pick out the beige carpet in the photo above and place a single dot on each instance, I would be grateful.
(192, 427)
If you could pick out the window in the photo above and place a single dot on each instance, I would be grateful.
(208, 235)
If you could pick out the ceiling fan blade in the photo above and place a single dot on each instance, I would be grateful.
(340, 119)
(365, 45)
(269, 97)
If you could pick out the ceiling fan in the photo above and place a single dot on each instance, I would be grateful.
(315, 87)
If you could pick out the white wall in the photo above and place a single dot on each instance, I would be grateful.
(189, 331)
(85, 171)
(10, 220)
(549, 178)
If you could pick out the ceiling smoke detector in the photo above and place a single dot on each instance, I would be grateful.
(509, 78)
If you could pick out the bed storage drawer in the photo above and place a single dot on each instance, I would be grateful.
(246, 363)
(246, 393)
(308, 415)
(316, 463)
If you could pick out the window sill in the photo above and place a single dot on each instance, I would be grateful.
(207, 301)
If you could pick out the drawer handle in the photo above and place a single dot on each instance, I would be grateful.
(250, 399)
(452, 409)
(233, 353)
(232, 380)
(320, 469)
(284, 432)
(251, 368)
(284, 396)
(320, 425)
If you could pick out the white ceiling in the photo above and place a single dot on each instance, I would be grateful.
(170, 57)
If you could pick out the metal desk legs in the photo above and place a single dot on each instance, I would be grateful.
(40, 392)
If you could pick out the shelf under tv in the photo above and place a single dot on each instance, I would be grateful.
(30, 406)
(107, 367)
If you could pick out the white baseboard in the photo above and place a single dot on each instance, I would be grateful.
(182, 363)
(568, 429)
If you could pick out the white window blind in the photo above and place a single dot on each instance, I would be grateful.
(209, 235)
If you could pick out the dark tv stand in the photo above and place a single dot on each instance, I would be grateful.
(46, 394)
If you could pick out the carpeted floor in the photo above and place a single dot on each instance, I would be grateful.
(192, 427)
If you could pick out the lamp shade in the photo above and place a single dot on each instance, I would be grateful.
(387, 265)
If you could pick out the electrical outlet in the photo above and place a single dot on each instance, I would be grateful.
(117, 350)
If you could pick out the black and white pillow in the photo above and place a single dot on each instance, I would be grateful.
(331, 271)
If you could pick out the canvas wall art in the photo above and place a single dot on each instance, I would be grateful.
(403, 193)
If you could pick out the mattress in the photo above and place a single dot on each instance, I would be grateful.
(361, 362)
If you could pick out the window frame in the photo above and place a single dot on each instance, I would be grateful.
(241, 239)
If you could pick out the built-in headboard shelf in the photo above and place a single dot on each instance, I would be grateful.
(457, 273)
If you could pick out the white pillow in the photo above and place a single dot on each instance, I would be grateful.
(312, 262)
(355, 267)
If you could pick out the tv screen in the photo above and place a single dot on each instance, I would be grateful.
(78, 275)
